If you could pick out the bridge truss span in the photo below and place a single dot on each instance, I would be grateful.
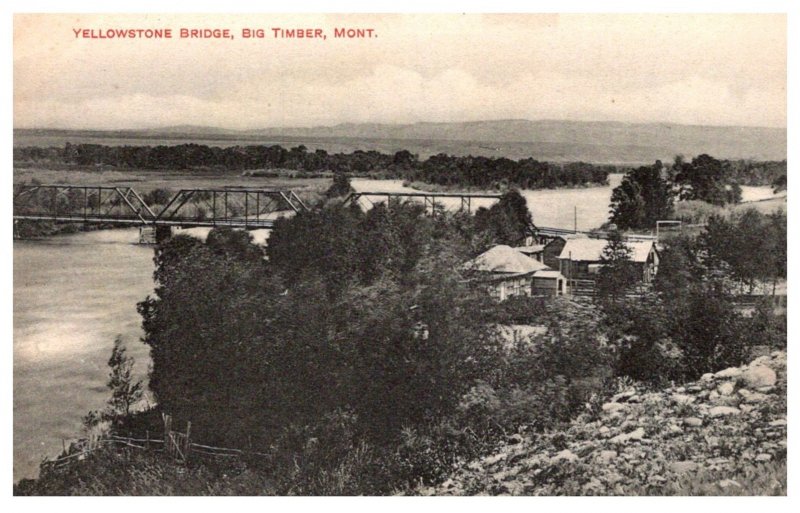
(235, 207)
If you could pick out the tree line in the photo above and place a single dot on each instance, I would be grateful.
(483, 172)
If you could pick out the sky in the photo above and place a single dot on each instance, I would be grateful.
(706, 69)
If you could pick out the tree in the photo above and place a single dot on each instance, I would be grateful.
(617, 271)
(706, 179)
(125, 391)
(642, 198)
(340, 186)
(508, 221)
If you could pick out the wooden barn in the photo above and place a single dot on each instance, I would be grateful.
(580, 258)
(507, 273)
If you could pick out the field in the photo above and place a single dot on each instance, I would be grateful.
(146, 180)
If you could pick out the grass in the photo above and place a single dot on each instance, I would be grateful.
(698, 212)
(144, 180)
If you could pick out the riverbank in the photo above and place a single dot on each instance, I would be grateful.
(431, 187)
(724, 434)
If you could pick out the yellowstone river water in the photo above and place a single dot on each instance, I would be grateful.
(74, 293)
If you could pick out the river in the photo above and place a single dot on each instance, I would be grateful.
(74, 293)
(586, 207)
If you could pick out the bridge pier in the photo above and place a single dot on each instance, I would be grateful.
(158, 234)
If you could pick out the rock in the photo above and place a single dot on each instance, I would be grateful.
(692, 422)
(674, 429)
(636, 434)
(565, 455)
(448, 484)
(729, 483)
(514, 439)
(729, 373)
(759, 376)
(691, 388)
(623, 396)
(723, 411)
(725, 388)
(752, 397)
(765, 390)
(778, 423)
(682, 399)
(603, 430)
(713, 395)
(764, 457)
(705, 378)
(613, 407)
(607, 456)
(491, 460)
(680, 467)
(681, 390)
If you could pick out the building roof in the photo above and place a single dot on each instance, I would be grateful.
(548, 274)
(528, 250)
(504, 259)
(591, 250)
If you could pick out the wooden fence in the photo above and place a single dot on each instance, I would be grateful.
(178, 446)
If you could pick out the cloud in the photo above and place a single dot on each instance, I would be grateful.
(698, 69)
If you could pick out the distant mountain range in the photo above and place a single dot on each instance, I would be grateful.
(601, 142)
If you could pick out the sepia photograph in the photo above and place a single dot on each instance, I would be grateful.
(399, 254)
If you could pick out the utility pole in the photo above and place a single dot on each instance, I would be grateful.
(575, 217)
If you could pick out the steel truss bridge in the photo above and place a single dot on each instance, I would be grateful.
(235, 207)
(428, 199)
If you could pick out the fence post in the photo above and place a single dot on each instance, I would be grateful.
(167, 433)
(187, 442)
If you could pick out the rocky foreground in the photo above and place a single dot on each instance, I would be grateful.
(722, 435)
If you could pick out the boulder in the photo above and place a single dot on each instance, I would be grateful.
(607, 456)
(752, 397)
(565, 455)
(682, 399)
(759, 376)
(613, 407)
(514, 439)
(725, 388)
(636, 434)
(729, 373)
(674, 429)
(729, 483)
(723, 411)
(692, 422)
(623, 396)
(764, 457)
(680, 467)
(778, 423)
